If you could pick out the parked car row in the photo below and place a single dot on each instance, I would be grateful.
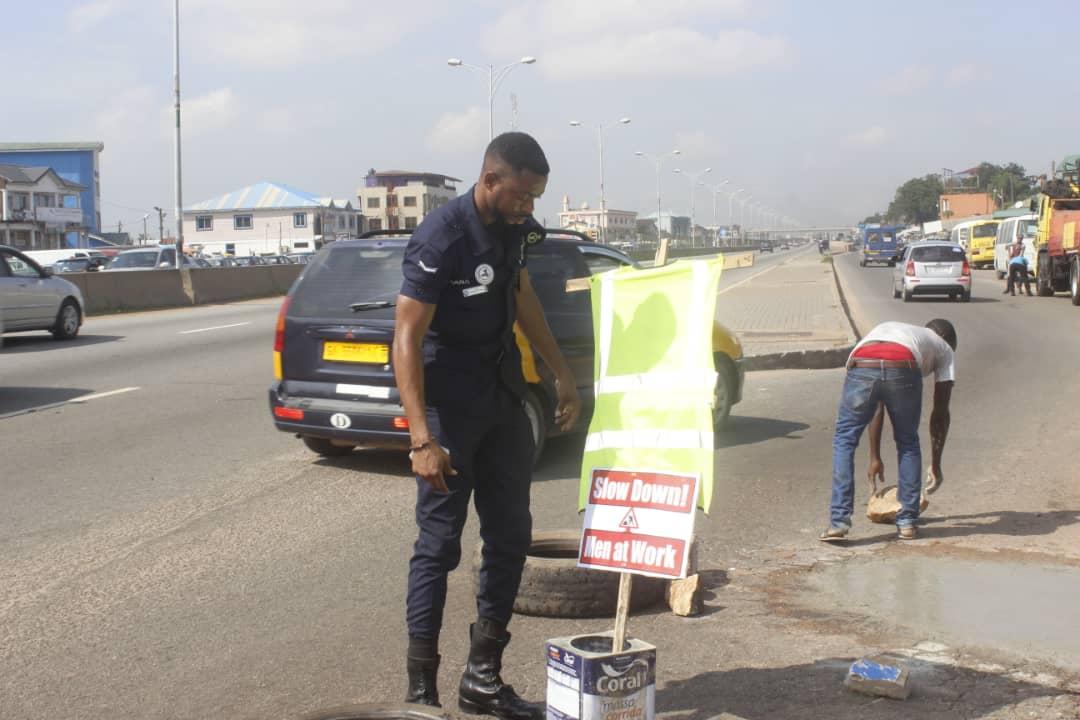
(163, 257)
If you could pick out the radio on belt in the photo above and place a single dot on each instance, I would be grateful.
(587, 681)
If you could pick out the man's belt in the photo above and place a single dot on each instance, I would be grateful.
(875, 363)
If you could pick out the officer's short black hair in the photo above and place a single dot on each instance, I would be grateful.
(945, 329)
(518, 150)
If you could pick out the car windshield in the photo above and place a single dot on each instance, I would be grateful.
(135, 260)
(344, 275)
(985, 231)
(937, 253)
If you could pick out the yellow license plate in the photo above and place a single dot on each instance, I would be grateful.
(356, 352)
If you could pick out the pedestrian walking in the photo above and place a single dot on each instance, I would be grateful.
(1018, 269)
(885, 374)
(458, 370)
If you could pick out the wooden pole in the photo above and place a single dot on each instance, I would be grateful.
(622, 609)
(661, 253)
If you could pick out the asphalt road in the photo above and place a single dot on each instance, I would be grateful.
(165, 553)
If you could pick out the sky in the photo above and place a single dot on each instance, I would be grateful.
(818, 109)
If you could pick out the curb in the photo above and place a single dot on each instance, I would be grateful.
(811, 359)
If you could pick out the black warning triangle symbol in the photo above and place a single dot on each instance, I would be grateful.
(629, 522)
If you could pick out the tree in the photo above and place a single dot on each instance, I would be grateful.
(875, 219)
(916, 201)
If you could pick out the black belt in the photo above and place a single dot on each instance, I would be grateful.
(875, 363)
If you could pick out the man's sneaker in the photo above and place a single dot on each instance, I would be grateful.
(834, 534)
(907, 532)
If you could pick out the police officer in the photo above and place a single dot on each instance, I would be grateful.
(458, 370)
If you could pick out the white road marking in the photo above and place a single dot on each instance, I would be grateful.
(216, 327)
(96, 396)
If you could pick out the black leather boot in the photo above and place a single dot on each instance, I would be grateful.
(482, 691)
(423, 673)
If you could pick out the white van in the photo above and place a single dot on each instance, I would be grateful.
(159, 257)
(1009, 231)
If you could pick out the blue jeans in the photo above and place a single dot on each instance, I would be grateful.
(901, 391)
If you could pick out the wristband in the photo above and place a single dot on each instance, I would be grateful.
(421, 446)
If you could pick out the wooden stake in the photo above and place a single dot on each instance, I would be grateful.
(661, 253)
(622, 609)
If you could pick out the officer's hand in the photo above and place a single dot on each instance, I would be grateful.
(568, 406)
(876, 473)
(432, 463)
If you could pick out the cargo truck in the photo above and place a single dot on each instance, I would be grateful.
(1057, 236)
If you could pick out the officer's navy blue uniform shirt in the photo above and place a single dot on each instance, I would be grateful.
(469, 271)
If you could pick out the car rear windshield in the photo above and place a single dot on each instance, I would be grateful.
(982, 231)
(341, 276)
(135, 260)
(937, 253)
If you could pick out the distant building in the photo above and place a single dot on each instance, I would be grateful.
(399, 199)
(675, 226)
(74, 162)
(955, 206)
(268, 219)
(610, 226)
(39, 210)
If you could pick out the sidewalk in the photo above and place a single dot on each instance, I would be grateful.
(789, 315)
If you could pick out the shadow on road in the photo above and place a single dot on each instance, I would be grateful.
(17, 400)
(743, 430)
(384, 461)
(1006, 522)
(17, 344)
(816, 690)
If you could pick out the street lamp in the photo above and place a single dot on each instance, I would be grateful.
(694, 182)
(730, 205)
(494, 78)
(659, 161)
(603, 200)
(716, 190)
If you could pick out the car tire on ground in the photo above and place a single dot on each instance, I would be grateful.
(324, 447)
(1044, 284)
(534, 410)
(67, 321)
(1074, 281)
(552, 585)
(895, 293)
(377, 711)
(1000, 275)
(725, 388)
(965, 296)
(907, 296)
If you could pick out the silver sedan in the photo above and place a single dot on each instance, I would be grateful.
(33, 299)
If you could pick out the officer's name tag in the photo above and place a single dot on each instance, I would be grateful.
(475, 290)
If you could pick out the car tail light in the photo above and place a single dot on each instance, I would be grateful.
(966, 269)
(289, 413)
(910, 270)
(279, 336)
(401, 423)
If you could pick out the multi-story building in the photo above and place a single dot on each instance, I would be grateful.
(606, 225)
(39, 210)
(74, 162)
(268, 219)
(674, 226)
(398, 199)
(957, 205)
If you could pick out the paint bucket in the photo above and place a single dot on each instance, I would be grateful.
(587, 681)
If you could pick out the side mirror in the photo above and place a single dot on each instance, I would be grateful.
(1033, 206)
(48, 272)
(165, 264)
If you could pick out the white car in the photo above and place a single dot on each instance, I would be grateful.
(933, 268)
(32, 299)
(162, 257)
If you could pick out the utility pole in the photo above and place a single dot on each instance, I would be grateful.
(161, 224)
(145, 233)
(176, 137)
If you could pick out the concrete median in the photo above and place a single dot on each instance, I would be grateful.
(738, 260)
(112, 292)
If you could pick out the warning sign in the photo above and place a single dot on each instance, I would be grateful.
(638, 522)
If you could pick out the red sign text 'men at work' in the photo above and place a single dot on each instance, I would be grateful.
(633, 552)
(674, 493)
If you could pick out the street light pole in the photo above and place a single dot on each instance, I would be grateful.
(603, 199)
(694, 182)
(176, 136)
(659, 161)
(495, 77)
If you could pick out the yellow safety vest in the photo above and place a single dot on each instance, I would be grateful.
(655, 380)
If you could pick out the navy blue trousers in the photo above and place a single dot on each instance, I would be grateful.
(493, 459)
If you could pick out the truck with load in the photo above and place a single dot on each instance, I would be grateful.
(1057, 236)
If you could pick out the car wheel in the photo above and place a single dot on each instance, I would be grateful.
(1074, 281)
(534, 410)
(862, 263)
(67, 321)
(324, 447)
(965, 296)
(907, 296)
(1044, 283)
(1000, 275)
(722, 396)
(895, 293)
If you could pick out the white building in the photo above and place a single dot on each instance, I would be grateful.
(610, 226)
(37, 208)
(268, 219)
(399, 199)
(675, 226)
